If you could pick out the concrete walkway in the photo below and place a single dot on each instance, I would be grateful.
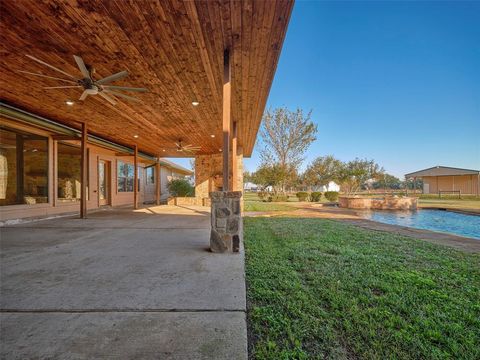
(121, 284)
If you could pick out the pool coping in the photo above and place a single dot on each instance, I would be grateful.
(460, 211)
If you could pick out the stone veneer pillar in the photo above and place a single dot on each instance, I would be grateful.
(227, 226)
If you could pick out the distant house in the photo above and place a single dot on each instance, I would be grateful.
(331, 186)
(249, 186)
(448, 179)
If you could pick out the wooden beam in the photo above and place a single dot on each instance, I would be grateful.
(226, 116)
(65, 137)
(234, 186)
(157, 183)
(20, 163)
(135, 177)
(83, 172)
(123, 154)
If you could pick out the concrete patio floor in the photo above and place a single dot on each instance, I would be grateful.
(121, 284)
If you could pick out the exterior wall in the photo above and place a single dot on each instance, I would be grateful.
(95, 154)
(466, 184)
(208, 174)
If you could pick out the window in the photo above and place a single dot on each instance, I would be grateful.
(23, 168)
(125, 177)
(68, 172)
(150, 173)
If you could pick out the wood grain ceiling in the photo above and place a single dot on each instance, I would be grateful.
(173, 48)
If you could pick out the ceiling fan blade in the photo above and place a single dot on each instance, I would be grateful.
(125, 88)
(48, 77)
(112, 78)
(82, 67)
(190, 150)
(178, 145)
(50, 66)
(63, 87)
(116, 93)
(84, 95)
(108, 98)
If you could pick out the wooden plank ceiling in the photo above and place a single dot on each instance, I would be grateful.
(173, 48)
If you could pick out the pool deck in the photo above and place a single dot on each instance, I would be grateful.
(352, 217)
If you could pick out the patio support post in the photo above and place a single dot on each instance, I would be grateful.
(234, 158)
(227, 90)
(135, 177)
(83, 172)
(226, 217)
(157, 183)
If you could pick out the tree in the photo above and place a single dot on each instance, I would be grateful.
(268, 175)
(247, 176)
(322, 170)
(387, 181)
(356, 173)
(410, 184)
(286, 136)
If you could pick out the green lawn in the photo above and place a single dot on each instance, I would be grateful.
(253, 203)
(321, 289)
(266, 206)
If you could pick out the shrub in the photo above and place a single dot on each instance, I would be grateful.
(180, 188)
(278, 197)
(262, 195)
(302, 195)
(315, 196)
(331, 195)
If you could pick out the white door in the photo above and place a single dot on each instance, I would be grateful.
(426, 188)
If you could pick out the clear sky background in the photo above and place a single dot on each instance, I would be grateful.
(397, 82)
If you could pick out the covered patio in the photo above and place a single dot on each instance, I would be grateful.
(94, 96)
(121, 284)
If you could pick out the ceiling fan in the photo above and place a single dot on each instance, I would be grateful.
(88, 83)
(186, 148)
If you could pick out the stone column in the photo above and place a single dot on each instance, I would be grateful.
(227, 225)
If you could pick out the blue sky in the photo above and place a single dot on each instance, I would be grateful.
(398, 82)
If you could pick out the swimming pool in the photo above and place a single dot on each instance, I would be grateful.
(434, 220)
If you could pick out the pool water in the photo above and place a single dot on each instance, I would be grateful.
(434, 220)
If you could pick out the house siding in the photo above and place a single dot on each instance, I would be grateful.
(95, 154)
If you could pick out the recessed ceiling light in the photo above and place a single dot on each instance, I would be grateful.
(212, 136)
(135, 136)
(195, 103)
(69, 102)
(163, 150)
(220, 150)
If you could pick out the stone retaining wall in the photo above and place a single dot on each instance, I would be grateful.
(386, 203)
(189, 201)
